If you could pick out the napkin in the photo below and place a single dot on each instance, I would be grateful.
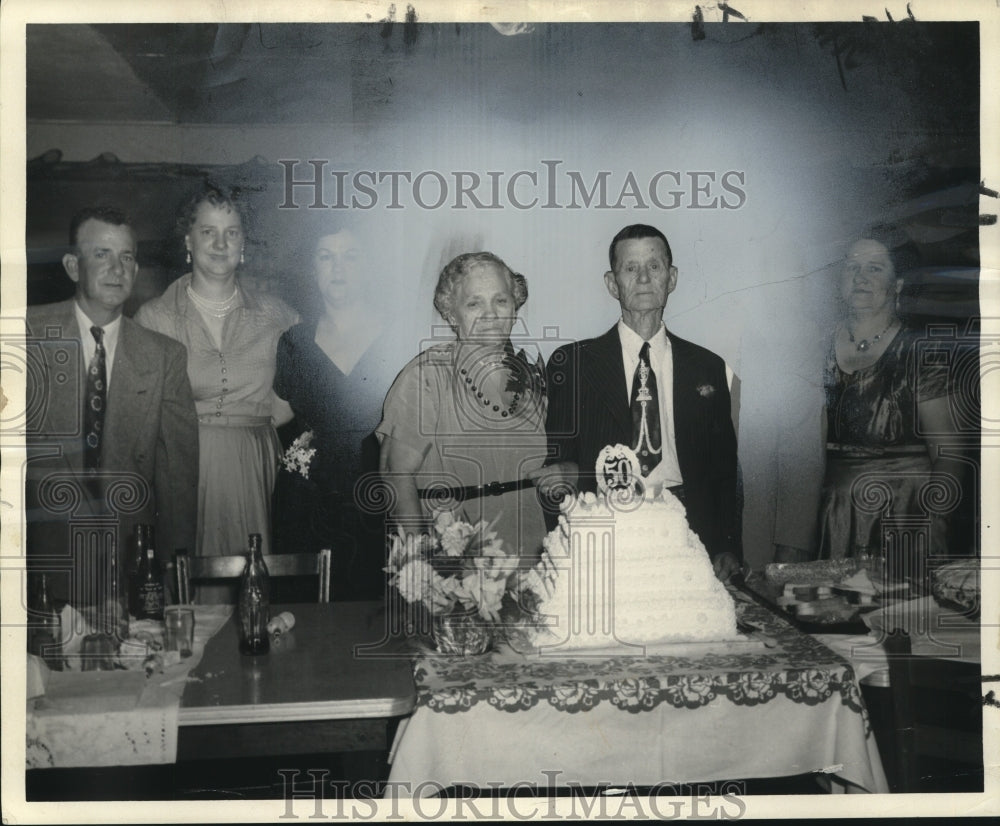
(92, 692)
(38, 676)
(860, 582)
(74, 628)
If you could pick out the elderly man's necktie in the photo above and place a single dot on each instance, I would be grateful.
(646, 414)
(95, 403)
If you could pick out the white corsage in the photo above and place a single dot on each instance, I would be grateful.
(299, 455)
(706, 391)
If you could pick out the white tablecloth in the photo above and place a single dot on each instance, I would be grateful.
(934, 631)
(781, 711)
(114, 718)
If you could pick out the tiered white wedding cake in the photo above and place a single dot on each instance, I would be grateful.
(628, 569)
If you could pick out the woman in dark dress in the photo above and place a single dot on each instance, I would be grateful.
(334, 371)
(887, 412)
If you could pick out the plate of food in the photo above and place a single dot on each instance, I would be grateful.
(829, 596)
(956, 585)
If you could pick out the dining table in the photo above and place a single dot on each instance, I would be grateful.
(782, 704)
(910, 650)
(330, 683)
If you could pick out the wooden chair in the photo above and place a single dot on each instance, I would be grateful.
(937, 710)
(191, 568)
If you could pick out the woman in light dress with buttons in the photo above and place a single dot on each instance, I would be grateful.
(231, 334)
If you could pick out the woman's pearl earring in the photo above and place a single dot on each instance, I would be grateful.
(189, 256)
(241, 257)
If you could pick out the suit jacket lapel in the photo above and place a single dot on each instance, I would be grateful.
(690, 425)
(133, 379)
(55, 420)
(606, 374)
(55, 437)
(681, 369)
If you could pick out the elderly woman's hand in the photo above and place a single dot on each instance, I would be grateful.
(557, 478)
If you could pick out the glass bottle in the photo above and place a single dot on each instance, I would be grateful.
(136, 562)
(116, 609)
(151, 594)
(254, 601)
(45, 634)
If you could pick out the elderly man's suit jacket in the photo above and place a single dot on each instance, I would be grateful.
(149, 463)
(589, 409)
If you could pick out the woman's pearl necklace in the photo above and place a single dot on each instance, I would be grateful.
(486, 402)
(864, 345)
(217, 309)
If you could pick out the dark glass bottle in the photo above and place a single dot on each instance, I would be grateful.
(254, 601)
(136, 562)
(151, 595)
(45, 633)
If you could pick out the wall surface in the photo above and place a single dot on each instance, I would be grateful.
(758, 151)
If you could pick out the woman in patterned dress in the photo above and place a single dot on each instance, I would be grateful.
(887, 414)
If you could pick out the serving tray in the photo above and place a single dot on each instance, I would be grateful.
(742, 644)
(766, 594)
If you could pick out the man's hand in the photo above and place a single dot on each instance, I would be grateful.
(789, 553)
(725, 565)
(558, 478)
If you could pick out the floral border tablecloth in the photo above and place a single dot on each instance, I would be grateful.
(797, 667)
(706, 714)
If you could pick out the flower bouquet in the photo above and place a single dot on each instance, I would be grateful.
(298, 457)
(457, 577)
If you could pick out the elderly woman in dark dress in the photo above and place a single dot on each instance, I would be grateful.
(887, 412)
(334, 370)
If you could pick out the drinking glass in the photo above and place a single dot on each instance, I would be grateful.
(179, 624)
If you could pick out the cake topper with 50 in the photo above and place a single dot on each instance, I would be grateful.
(617, 468)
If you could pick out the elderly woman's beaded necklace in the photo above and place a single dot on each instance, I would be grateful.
(486, 402)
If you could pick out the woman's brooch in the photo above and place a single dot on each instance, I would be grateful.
(521, 372)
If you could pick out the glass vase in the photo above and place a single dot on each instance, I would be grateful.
(467, 634)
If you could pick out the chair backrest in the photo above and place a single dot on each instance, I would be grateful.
(192, 568)
(937, 712)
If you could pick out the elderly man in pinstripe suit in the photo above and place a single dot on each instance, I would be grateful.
(641, 386)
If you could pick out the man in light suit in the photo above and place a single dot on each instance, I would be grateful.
(590, 383)
(141, 465)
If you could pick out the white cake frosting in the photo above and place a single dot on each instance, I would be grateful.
(633, 572)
